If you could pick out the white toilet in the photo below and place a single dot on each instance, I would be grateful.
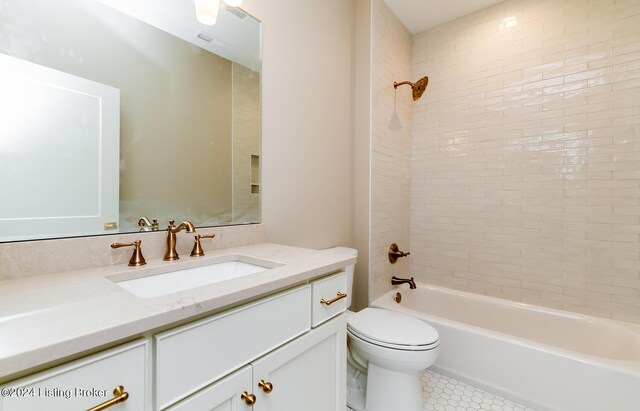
(387, 350)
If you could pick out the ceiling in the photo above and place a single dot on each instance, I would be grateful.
(419, 15)
(236, 36)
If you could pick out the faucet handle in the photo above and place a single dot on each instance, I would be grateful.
(197, 248)
(137, 259)
(395, 253)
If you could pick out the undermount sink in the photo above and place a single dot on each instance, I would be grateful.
(174, 281)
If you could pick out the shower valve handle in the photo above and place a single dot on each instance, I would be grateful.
(395, 253)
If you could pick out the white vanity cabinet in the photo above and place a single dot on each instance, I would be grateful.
(85, 383)
(306, 374)
(190, 357)
(279, 373)
(284, 352)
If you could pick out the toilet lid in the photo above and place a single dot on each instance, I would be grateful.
(391, 327)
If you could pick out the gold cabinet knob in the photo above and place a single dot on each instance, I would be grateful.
(266, 386)
(119, 395)
(249, 399)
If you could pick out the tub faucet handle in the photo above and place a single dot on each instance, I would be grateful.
(395, 253)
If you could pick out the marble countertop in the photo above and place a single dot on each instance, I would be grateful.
(44, 319)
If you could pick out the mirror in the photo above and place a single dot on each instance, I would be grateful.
(114, 110)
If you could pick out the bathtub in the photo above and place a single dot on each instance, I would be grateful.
(548, 359)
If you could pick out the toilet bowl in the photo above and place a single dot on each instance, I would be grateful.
(392, 348)
(387, 351)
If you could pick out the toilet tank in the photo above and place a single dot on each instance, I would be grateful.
(350, 269)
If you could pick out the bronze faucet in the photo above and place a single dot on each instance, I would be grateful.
(147, 225)
(171, 254)
(397, 281)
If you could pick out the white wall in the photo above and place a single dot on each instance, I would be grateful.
(307, 144)
(362, 150)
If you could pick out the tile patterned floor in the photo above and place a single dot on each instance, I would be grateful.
(443, 393)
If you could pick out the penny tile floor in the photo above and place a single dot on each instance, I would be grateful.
(442, 393)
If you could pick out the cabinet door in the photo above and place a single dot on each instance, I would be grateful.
(224, 395)
(191, 357)
(307, 374)
(85, 383)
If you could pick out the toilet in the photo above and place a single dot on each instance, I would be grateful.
(387, 351)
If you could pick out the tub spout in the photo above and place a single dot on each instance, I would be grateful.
(397, 281)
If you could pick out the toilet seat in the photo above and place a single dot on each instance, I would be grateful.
(392, 330)
(424, 347)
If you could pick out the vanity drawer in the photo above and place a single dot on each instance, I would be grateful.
(192, 356)
(328, 289)
(85, 383)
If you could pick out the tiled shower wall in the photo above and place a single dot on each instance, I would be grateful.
(246, 143)
(390, 146)
(525, 165)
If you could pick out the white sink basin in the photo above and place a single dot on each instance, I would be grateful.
(174, 281)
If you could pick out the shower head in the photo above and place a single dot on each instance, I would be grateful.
(418, 87)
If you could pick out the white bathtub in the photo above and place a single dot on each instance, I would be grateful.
(546, 358)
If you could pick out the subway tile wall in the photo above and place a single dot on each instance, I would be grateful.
(390, 146)
(525, 164)
(246, 143)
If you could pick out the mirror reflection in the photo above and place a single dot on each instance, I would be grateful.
(123, 114)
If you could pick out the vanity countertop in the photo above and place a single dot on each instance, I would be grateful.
(44, 319)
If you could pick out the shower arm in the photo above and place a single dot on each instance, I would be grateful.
(395, 84)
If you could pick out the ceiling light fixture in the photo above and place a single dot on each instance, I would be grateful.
(233, 3)
(207, 11)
